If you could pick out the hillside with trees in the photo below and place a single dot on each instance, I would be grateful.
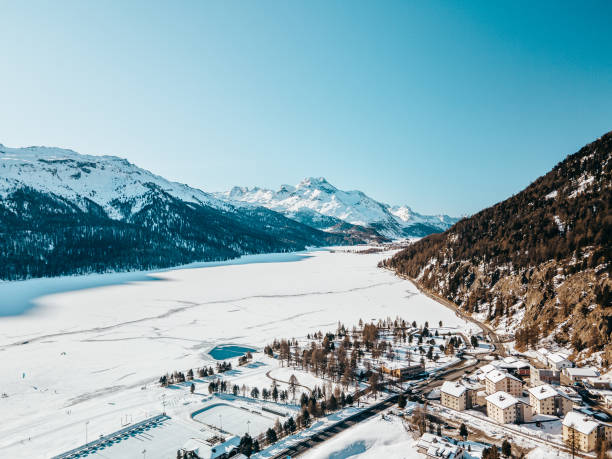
(537, 265)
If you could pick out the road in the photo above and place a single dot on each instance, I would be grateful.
(450, 374)
(329, 432)
(499, 347)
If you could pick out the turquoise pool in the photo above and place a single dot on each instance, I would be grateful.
(228, 351)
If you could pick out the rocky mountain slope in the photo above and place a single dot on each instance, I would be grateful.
(66, 213)
(316, 202)
(537, 265)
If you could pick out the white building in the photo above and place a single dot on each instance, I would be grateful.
(504, 408)
(559, 361)
(578, 374)
(546, 399)
(437, 447)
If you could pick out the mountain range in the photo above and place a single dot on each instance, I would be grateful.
(536, 266)
(317, 203)
(66, 213)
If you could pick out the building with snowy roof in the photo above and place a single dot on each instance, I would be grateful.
(580, 373)
(546, 399)
(559, 361)
(204, 450)
(438, 447)
(504, 408)
(583, 430)
(455, 395)
(502, 381)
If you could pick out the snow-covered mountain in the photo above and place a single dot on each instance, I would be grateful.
(316, 202)
(120, 188)
(66, 213)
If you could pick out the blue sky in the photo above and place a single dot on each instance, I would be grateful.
(445, 106)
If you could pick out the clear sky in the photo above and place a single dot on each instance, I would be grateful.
(445, 106)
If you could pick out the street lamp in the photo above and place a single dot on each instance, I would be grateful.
(144, 453)
(249, 427)
(220, 423)
(86, 423)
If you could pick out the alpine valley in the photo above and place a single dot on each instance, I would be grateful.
(537, 265)
(65, 213)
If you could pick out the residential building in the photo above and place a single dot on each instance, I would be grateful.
(512, 365)
(580, 374)
(438, 447)
(500, 381)
(547, 399)
(456, 396)
(401, 370)
(539, 376)
(583, 429)
(504, 408)
(559, 361)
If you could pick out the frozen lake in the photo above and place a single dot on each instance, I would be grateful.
(87, 354)
(20, 296)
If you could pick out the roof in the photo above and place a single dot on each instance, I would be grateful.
(557, 358)
(453, 388)
(211, 452)
(586, 372)
(542, 351)
(437, 446)
(502, 400)
(496, 376)
(545, 391)
(580, 422)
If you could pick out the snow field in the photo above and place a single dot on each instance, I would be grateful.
(86, 355)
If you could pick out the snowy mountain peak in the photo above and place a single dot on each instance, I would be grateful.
(315, 198)
(113, 183)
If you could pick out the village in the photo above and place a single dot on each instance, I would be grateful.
(447, 387)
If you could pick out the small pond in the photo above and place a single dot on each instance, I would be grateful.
(228, 351)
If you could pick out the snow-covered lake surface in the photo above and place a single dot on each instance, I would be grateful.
(95, 354)
(20, 296)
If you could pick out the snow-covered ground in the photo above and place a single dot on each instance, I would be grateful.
(96, 354)
(375, 438)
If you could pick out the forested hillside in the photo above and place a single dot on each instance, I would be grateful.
(536, 265)
(65, 213)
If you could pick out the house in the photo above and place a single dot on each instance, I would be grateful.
(513, 366)
(401, 370)
(438, 447)
(571, 393)
(542, 355)
(504, 408)
(456, 396)
(559, 361)
(204, 450)
(539, 376)
(546, 399)
(500, 381)
(582, 429)
(580, 374)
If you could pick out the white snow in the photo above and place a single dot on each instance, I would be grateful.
(96, 354)
(318, 196)
(453, 388)
(108, 181)
(551, 195)
(580, 422)
(502, 399)
(378, 437)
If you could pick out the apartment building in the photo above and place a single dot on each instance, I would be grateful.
(546, 399)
